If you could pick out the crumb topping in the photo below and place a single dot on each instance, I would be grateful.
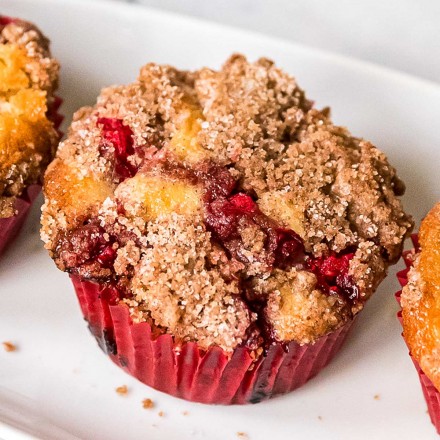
(420, 299)
(172, 284)
(223, 206)
(28, 138)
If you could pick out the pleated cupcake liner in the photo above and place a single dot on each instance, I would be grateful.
(188, 372)
(430, 392)
(10, 227)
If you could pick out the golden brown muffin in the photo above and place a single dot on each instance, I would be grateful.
(420, 299)
(28, 138)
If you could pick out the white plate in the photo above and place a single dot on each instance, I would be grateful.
(59, 385)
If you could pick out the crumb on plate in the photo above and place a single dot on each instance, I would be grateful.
(122, 390)
(147, 404)
(9, 346)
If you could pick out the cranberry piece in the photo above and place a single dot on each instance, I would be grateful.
(290, 249)
(224, 215)
(87, 248)
(4, 21)
(217, 180)
(332, 266)
(119, 136)
(221, 220)
(80, 245)
(243, 204)
(348, 287)
(106, 256)
(120, 208)
(333, 276)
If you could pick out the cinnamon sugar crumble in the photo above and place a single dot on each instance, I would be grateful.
(9, 346)
(196, 138)
(172, 285)
(28, 79)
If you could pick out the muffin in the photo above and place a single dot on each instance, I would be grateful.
(28, 120)
(220, 232)
(420, 301)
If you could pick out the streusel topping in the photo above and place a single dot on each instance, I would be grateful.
(28, 79)
(223, 206)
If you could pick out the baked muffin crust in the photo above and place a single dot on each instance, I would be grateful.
(226, 207)
(28, 79)
(420, 299)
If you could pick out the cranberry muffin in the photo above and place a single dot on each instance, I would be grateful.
(420, 301)
(28, 119)
(221, 233)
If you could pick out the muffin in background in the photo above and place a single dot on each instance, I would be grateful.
(28, 120)
(221, 233)
(420, 302)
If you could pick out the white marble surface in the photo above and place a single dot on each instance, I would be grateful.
(400, 34)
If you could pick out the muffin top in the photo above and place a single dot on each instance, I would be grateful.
(420, 299)
(223, 207)
(28, 78)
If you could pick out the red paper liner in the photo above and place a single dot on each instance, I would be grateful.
(190, 373)
(432, 395)
(10, 227)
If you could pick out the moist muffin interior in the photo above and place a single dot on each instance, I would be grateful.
(223, 207)
(28, 78)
